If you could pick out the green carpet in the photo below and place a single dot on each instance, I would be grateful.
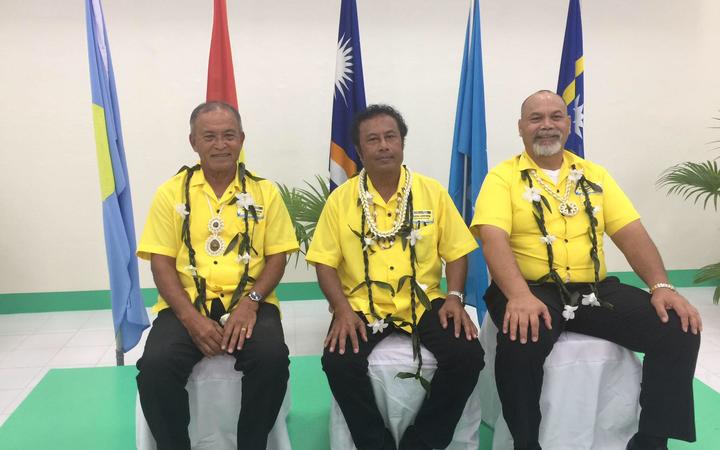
(94, 408)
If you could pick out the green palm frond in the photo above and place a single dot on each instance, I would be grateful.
(710, 273)
(699, 181)
(304, 207)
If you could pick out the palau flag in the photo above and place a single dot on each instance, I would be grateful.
(221, 76)
(571, 82)
(468, 165)
(129, 314)
(348, 97)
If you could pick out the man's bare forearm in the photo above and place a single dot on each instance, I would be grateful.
(169, 286)
(501, 262)
(332, 288)
(455, 273)
(640, 251)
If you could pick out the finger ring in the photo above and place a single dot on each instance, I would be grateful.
(243, 329)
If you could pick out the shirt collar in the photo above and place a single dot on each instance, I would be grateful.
(569, 158)
(198, 179)
(377, 198)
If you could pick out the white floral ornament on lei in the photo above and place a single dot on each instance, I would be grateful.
(244, 258)
(378, 326)
(548, 240)
(569, 312)
(590, 299)
(575, 175)
(595, 210)
(532, 194)
(414, 236)
(192, 269)
(245, 200)
(181, 209)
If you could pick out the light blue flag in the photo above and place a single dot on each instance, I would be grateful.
(129, 314)
(468, 165)
(571, 81)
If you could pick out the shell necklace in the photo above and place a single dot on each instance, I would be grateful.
(385, 238)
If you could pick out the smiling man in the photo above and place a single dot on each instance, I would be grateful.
(541, 216)
(217, 238)
(378, 250)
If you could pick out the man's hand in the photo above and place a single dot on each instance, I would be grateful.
(345, 324)
(239, 325)
(663, 299)
(205, 333)
(454, 309)
(522, 312)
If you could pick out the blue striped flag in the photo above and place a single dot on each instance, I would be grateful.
(348, 97)
(468, 165)
(129, 314)
(571, 82)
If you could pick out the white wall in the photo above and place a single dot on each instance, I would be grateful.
(651, 86)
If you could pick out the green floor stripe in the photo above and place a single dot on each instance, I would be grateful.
(34, 302)
(94, 408)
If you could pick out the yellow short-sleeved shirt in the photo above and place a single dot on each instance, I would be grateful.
(444, 237)
(273, 233)
(501, 204)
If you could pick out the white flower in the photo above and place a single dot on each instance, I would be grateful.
(532, 194)
(181, 209)
(245, 200)
(569, 312)
(244, 258)
(192, 269)
(378, 326)
(368, 242)
(224, 318)
(423, 286)
(414, 236)
(575, 175)
(549, 239)
(590, 299)
(368, 196)
(596, 210)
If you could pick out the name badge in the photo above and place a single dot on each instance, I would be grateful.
(258, 209)
(423, 217)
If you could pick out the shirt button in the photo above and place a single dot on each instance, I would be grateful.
(392, 268)
(217, 211)
(567, 268)
(214, 262)
(389, 214)
(566, 241)
(222, 295)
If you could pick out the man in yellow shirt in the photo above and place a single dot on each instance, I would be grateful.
(378, 250)
(217, 238)
(541, 217)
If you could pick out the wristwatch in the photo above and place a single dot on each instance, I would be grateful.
(255, 296)
(657, 286)
(458, 294)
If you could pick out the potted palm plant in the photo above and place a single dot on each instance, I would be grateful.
(699, 182)
(305, 206)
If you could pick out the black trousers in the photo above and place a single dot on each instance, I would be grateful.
(666, 395)
(459, 365)
(168, 360)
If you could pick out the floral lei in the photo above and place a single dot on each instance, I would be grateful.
(570, 300)
(404, 229)
(242, 240)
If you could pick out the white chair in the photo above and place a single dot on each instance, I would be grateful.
(589, 399)
(399, 400)
(214, 391)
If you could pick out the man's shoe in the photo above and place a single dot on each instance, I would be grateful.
(646, 443)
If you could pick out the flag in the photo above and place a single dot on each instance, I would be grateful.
(468, 164)
(221, 76)
(571, 82)
(348, 96)
(128, 309)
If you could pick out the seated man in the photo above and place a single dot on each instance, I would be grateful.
(541, 217)
(378, 250)
(216, 238)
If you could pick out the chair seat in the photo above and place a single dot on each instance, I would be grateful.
(214, 391)
(399, 400)
(589, 399)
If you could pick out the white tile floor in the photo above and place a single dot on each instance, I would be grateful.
(31, 344)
